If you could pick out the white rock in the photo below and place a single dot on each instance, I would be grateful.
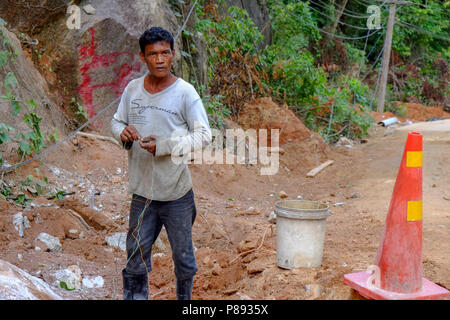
(70, 276)
(272, 217)
(18, 223)
(51, 242)
(26, 222)
(343, 141)
(313, 290)
(118, 239)
(93, 282)
(16, 284)
(55, 171)
(159, 254)
(5, 164)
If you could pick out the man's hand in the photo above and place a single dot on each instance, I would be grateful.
(129, 134)
(148, 143)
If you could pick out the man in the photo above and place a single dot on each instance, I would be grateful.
(152, 109)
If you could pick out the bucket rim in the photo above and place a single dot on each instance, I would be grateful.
(278, 204)
(302, 214)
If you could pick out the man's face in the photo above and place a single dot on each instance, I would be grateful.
(158, 58)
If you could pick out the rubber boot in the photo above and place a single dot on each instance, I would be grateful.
(135, 287)
(184, 289)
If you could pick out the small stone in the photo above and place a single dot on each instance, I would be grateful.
(343, 141)
(18, 223)
(116, 179)
(70, 276)
(118, 239)
(244, 296)
(89, 9)
(217, 270)
(272, 217)
(37, 218)
(75, 142)
(217, 232)
(229, 292)
(73, 234)
(255, 267)
(339, 204)
(208, 262)
(282, 194)
(299, 197)
(26, 222)
(252, 211)
(313, 290)
(247, 245)
(159, 245)
(446, 197)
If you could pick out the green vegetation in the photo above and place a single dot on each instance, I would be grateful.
(27, 143)
(33, 140)
(325, 71)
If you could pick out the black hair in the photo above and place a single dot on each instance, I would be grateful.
(153, 35)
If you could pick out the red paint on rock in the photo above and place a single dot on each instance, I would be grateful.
(94, 62)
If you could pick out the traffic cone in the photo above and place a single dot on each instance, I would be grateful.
(398, 263)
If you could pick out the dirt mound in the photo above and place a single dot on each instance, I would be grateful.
(263, 113)
(414, 112)
(235, 243)
(419, 112)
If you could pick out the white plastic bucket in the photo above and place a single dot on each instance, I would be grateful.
(300, 233)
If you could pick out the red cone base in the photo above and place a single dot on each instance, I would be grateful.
(358, 281)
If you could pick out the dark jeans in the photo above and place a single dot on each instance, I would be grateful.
(177, 216)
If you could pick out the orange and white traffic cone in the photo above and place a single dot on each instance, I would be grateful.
(398, 263)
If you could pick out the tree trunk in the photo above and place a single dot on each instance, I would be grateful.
(338, 15)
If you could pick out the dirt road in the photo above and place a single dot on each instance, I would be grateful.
(236, 248)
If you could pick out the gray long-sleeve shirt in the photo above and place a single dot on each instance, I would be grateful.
(177, 118)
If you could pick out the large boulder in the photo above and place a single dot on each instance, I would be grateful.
(31, 85)
(91, 66)
(16, 284)
(30, 16)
